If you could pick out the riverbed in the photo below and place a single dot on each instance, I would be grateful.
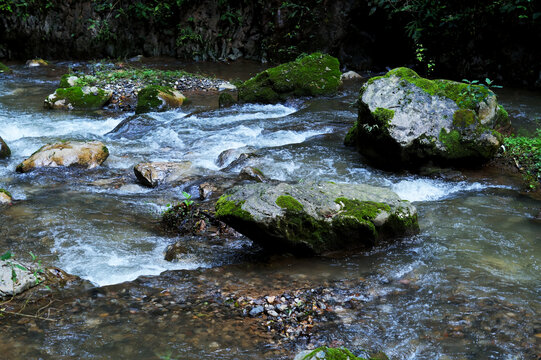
(467, 287)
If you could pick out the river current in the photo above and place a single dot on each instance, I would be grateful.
(467, 287)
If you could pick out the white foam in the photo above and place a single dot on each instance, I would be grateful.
(431, 190)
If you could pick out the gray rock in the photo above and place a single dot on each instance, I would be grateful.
(205, 189)
(405, 120)
(256, 310)
(230, 155)
(251, 173)
(70, 153)
(151, 174)
(311, 218)
(350, 75)
(4, 149)
(24, 278)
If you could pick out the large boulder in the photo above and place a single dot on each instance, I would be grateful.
(311, 75)
(158, 98)
(5, 197)
(151, 174)
(311, 218)
(4, 149)
(71, 153)
(78, 98)
(406, 121)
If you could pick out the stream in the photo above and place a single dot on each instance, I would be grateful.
(467, 287)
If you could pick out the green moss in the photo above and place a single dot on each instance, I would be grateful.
(75, 96)
(466, 96)
(289, 203)
(226, 208)
(312, 75)
(502, 118)
(383, 116)
(452, 142)
(340, 354)
(527, 152)
(226, 100)
(5, 192)
(5, 69)
(147, 99)
(464, 118)
(364, 212)
(105, 150)
(64, 81)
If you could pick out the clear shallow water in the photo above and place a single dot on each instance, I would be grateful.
(477, 257)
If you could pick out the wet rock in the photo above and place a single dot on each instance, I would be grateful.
(4, 149)
(229, 155)
(205, 189)
(327, 353)
(158, 98)
(226, 86)
(36, 63)
(407, 121)
(241, 161)
(251, 173)
(175, 251)
(312, 218)
(71, 153)
(16, 277)
(5, 197)
(226, 100)
(137, 58)
(4, 69)
(78, 98)
(312, 75)
(154, 173)
(350, 75)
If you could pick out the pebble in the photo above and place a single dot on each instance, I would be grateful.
(256, 310)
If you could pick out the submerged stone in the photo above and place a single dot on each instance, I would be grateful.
(311, 75)
(406, 121)
(312, 218)
(70, 153)
(158, 98)
(4, 149)
(78, 98)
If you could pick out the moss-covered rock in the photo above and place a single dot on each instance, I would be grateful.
(4, 149)
(328, 353)
(406, 121)
(78, 98)
(68, 80)
(5, 197)
(311, 75)
(70, 153)
(226, 100)
(311, 218)
(158, 98)
(4, 69)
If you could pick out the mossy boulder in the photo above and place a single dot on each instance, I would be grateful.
(4, 69)
(70, 153)
(68, 80)
(4, 149)
(407, 121)
(328, 353)
(312, 218)
(5, 197)
(226, 100)
(158, 98)
(311, 75)
(78, 98)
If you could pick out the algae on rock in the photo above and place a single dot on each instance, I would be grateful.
(78, 98)
(406, 121)
(311, 75)
(311, 218)
(158, 98)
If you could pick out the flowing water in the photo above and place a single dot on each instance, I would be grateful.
(467, 287)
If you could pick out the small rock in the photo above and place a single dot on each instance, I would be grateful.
(36, 63)
(272, 313)
(350, 75)
(256, 310)
(252, 173)
(5, 197)
(205, 189)
(4, 149)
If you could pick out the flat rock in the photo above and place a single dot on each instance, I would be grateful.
(71, 153)
(312, 218)
(24, 278)
(152, 174)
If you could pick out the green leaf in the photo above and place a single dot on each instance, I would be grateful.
(6, 256)
(20, 267)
